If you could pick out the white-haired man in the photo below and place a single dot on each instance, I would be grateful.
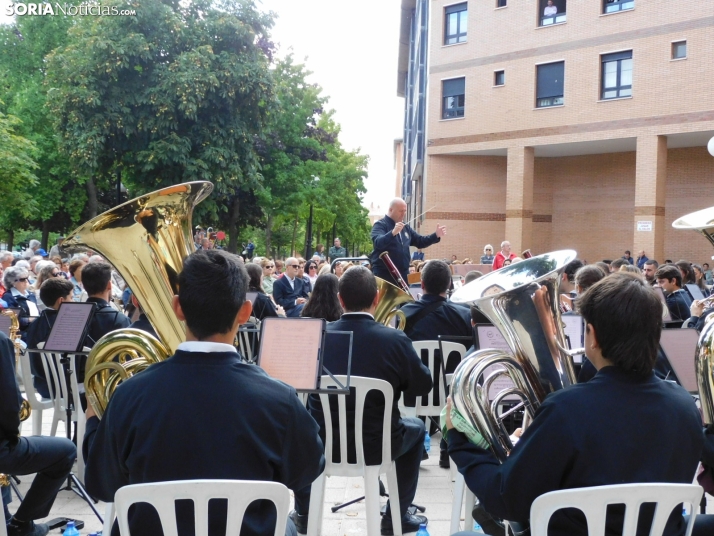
(502, 255)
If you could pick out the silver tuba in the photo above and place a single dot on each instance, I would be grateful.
(702, 221)
(522, 301)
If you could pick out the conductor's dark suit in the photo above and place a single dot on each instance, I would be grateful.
(284, 294)
(386, 354)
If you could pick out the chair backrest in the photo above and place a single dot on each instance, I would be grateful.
(58, 383)
(32, 395)
(362, 387)
(433, 407)
(247, 339)
(593, 503)
(239, 494)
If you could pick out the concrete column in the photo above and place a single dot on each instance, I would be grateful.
(650, 183)
(519, 198)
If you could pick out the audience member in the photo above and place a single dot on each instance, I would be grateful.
(75, 272)
(323, 302)
(503, 255)
(291, 291)
(641, 259)
(269, 279)
(17, 281)
(649, 270)
(472, 276)
(263, 306)
(617, 263)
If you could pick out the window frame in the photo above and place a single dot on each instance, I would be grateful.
(460, 111)
(618, 57)
(501, 72)
(459, 36)
(500, 4)
(538, 99)
(560, 17)
(686, 50)
(605, 3)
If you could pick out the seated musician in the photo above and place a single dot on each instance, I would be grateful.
(433, 315)
(203, 413)
(50, 457)
(638, 428)
(53, 292)
(669, 278)
(396, 362)
(291, 290)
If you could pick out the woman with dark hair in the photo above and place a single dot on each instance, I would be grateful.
(311, 272)
(699, 279)
(262, 305)
(687, 272)
(323, 302)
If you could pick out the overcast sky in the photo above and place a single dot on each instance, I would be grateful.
(351, 48)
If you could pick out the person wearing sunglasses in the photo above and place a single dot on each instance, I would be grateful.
(487, 257)
(269, 278)
(17, 280)
(311, 272)
(291, 291)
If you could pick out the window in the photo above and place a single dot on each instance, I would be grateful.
(499, 78)
(612, 6)
(453, 100)
(501, 3)
(679, 50)
(617, 75)
(551, 12)
(549, 90)
(456, 17)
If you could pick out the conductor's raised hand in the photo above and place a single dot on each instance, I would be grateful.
(398, 228)
(440, 230)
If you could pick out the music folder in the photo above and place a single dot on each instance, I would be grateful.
(70, 328)
(679, 348)
(291, 350)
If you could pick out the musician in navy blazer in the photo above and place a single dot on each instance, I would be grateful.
(290, 291)
(386, 354)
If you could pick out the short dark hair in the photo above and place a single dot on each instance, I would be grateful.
(212, 287)
(627, 252)
(588, 275)
(617, 263)
(53, 289)
(703, 264)
(74, 265)
(605, 267)
(627, 317)
(651, 262)
(669, 272)
(96, 277)
(472, 276)
(436, 277)
(357, 288)
(572, 267)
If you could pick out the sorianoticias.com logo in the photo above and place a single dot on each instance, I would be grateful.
(81, 10)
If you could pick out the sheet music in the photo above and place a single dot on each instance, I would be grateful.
(290, 350)
(679, 346)
(573, 327)
(68, 331)
(490, 337)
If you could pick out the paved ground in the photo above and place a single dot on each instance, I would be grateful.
(434, 492)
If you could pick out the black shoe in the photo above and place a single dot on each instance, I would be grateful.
(444, 459)
(424, 455)
(28, 528)
(410, 523)
(489, 525)
(299, 520)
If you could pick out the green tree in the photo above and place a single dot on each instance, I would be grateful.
(177, 93)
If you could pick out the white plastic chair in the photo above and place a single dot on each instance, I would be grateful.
(239, 493)
(110, 512)
(593, 503)
(370, 473)
(463, 500)
(59, 392)
(37, 403)
(432, 408)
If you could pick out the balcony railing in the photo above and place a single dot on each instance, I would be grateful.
(550, 101)
(558, 18)
(612, 6)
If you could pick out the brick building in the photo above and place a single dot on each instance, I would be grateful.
(584, 126)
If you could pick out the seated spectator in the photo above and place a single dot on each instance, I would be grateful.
(75, 277)
(311, 272)
(616, 264)
(473, 275)
(53, 292)
(291, 291)
(263, 305)
(268, 267)
(649, 270)
(487, 257)
(17, 281)
(669, 278)
(47, 272)
(323, 302)
(632, 269)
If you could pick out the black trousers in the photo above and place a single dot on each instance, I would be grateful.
(407, 461)
(51, 458)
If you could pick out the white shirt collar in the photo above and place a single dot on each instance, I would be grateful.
(206, 347)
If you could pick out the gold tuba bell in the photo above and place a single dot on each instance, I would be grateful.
(521, 300)
(146, 240)
(390, 298)
(702, 221)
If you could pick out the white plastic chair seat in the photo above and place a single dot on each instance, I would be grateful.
(593, 503)
(239, 494)
(370, 473)
(37, 403)
(463, 500)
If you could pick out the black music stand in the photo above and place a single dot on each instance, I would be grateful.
(67, 337)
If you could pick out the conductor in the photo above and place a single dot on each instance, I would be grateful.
(392, 235)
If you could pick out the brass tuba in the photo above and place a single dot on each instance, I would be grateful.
(146, 240)
(521, 300)
(390, 298)
(703, 222)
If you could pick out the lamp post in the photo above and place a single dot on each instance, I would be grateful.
(308, 230)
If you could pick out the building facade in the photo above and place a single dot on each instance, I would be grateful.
(561, 124)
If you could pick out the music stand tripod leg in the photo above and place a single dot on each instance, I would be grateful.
(78, 487)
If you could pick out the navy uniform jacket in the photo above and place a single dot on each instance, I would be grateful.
(10, 397)
(202, 415)
(143, 324)
(636, 430)
(284, 295)
(263, 306)
(105, 319)
(396, 246)
(38, 332)
(377, 352)
(678, 303)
